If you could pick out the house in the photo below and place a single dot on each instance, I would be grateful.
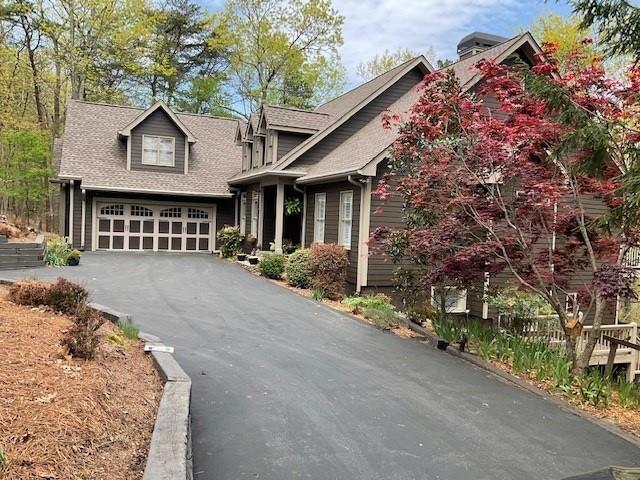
(154, 179)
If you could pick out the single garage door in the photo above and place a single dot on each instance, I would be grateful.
(162, 227)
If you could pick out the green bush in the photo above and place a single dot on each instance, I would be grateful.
(594, 388)
(73, 258)
(298, 272)
(328, 263)
(229, 241)
(383, 315)
(628, 392)
(66, 296)
(272, 265)
(58, 251)
(448, 329)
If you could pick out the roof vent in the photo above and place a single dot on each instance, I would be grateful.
(477, 42)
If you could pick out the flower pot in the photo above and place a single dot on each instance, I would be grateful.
(72, 262)
(253, 260)
(442, 344)
(242, 257)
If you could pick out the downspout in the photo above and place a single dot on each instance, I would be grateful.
(359, 269)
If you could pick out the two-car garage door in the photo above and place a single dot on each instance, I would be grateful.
(159, 227)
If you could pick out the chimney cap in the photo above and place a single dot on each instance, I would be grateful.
(479, 41)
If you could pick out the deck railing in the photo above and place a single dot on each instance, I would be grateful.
(632, 258)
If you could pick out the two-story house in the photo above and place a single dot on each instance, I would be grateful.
(157, 180)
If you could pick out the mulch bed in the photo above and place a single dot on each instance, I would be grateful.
(64, 418)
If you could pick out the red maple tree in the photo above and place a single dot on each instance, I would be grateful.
(513, 188)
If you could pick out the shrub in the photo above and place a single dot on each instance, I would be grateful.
(298, 272)
(328, 264)
(382, 315)
(82, 338)
(594, 388)
(358, 303)
(230, 241)
(272, 265)
(66, 296)
(58, 252)
(73, 258)
(628, 392)
(29, 292)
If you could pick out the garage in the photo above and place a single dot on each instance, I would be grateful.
(132, 226)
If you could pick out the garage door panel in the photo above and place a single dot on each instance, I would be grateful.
(136, 227)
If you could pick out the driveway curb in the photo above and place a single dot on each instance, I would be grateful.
(170, 456)
(523, 384)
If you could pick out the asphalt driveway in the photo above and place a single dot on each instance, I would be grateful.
(284, 388)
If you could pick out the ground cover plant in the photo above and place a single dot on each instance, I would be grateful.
(377, 308)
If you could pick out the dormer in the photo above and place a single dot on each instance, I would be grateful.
(157, 141)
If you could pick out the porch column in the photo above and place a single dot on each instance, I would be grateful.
(279, 216)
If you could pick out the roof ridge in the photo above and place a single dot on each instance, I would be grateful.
(296, 109)
(368, 81)
(142, 109)
(482, 52)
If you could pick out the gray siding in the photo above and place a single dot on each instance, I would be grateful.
(360, 119)
(88, 230)
(225, 213)
(77, 214)
(287, 141)
(332, 191)
(158, 123)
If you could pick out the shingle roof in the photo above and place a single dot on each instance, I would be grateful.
(372, 139)
(345, 102)
(464, 68)
(293, 117)
(93, 152)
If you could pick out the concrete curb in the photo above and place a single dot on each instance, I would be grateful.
(169, 455)
(523, 384)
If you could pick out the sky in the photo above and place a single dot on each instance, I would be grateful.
(371, 26)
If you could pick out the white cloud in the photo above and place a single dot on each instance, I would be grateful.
(373, 26)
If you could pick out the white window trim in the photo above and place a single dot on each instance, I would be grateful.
(243, 213)
(342, 221)
(316, 237)
(461, 304)
(255, 213)
(157, 162)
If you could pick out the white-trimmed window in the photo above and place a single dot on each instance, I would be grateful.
(455, 299)
(571, 303)
(318, 217)
(243, 213)
(158, 151)
(345, 219)
(255, 207)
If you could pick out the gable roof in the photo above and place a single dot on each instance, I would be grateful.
(284, 118)
(354, 101)
(368, 145)
(92, 152)
(126, 131)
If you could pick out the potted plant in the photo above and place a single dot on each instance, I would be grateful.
(74, 258)
(242, 257)
(250, 244)
(253, 260)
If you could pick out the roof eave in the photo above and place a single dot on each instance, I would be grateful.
(106, 188)
(248, 177)
(126, 131)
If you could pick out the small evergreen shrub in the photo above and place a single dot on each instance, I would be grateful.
(328, 263)
(272, 265)
(58, 251)
(82, 338)
(229, 240)
(73, 258)
(66, 296)
(298, 272)
(29, 292)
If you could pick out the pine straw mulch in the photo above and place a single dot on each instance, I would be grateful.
(63, 418)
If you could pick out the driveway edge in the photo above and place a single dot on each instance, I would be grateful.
(523, 384)
(169, 456)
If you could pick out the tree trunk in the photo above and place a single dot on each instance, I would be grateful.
(57, 89)
(582, 358)
(28, 35)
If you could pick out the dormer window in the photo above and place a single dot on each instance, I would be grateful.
(158, 151)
